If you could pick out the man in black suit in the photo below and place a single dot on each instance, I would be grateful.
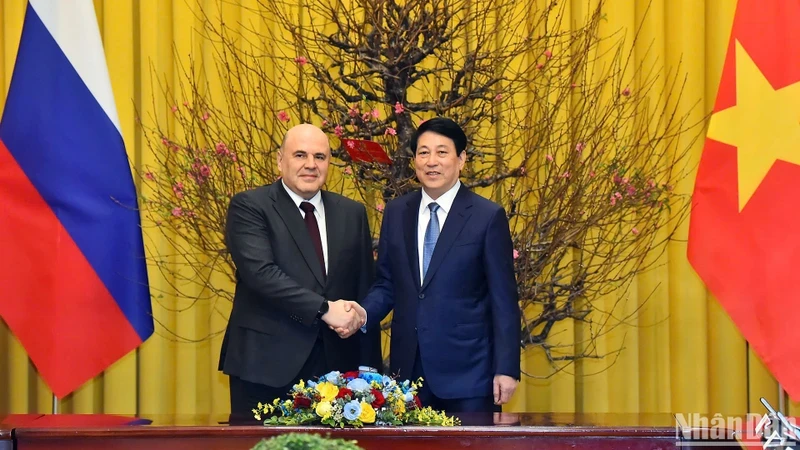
(295, 246)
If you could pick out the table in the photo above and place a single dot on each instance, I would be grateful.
(506, 431)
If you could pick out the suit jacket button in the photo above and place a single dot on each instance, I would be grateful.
(421, 295)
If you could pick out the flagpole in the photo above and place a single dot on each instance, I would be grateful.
(55, 404)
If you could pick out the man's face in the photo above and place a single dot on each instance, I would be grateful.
(437, 163)
(304, 159)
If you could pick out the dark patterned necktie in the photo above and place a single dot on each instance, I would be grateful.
(313, 230)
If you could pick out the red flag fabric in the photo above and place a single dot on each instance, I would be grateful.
(744, 239)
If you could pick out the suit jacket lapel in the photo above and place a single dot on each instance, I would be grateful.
(456, 219)
(335, 224)
(297, 228)
(410, 218)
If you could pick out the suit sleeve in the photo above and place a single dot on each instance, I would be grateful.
(250, 246)
(506, 317)
(371, 340)
(380, 299)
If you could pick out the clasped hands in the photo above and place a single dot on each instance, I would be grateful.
(345, 317)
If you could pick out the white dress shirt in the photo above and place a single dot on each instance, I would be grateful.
(319, 213)
(445, 202)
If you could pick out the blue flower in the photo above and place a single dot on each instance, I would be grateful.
(352, 410)
(370, 377)
(332, 376)
(358, 384)
(409, 397)
(387, 380)
(311, 384)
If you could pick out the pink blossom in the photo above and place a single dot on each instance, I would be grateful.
(548, 157)
(565, 175)
(283, 116)
(241, 171)
(348, 170)
(354, 112)
(150, 176)
(206, 116)
(222, 149)
(573, 86)
(626, 92)
(516, 254)
(540, 66)
(186, 104)
(635, 230)
(366, 116)
(592, 174)
(338, 131)
(651, 183)
(165, 141)
(625, 180)
(631, 190)
(174, 108)
(548, 54)
(522, 170)
(498, 97)
(390, 131)
(379, 207)
(177, 211)
(177, 188)
(351, 144)
(205, 171)
(613, 200)
(579, 148)
(399, 108)
(375, 113)
(324, 123)
(301, 60)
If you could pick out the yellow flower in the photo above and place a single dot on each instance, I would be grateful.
(367, 413)
(399, 407)
(327, 391)
(300, 385)
(323, 409)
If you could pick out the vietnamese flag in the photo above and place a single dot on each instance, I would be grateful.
(744, 234)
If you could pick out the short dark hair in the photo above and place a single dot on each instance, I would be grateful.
(445, 127)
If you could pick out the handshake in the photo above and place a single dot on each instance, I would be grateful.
(345, 317)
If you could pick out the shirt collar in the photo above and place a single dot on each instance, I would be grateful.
(445, 201)
(316, 200)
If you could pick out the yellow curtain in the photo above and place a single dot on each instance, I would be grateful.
(683, 354)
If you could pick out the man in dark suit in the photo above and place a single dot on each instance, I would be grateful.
(445, 266)
(295, 246)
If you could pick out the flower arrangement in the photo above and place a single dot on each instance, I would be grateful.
(352, 399)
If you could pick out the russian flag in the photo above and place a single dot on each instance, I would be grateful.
(73, 279)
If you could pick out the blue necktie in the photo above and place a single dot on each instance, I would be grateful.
(431, 235)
